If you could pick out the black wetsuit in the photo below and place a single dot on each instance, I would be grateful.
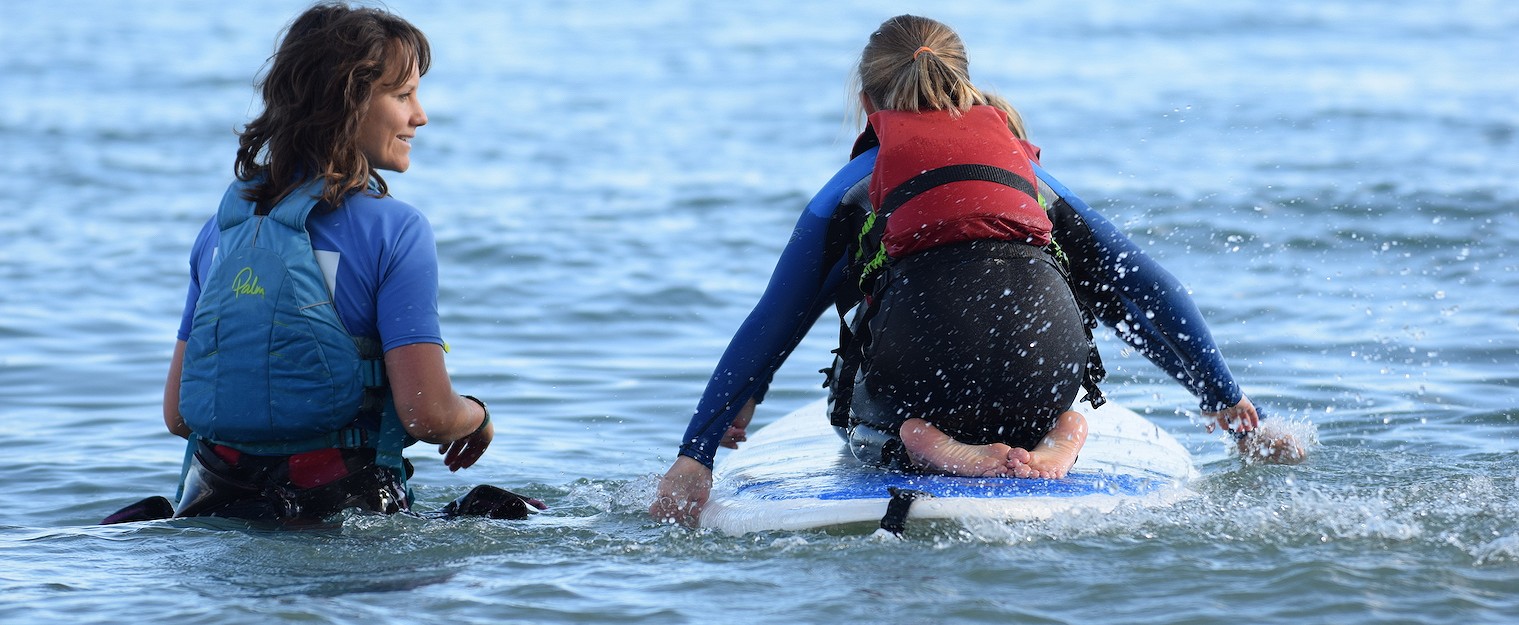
(983, 339)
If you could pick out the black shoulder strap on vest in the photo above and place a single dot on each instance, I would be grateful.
(952, 173)
(868, 246)
(1096, 372)
(839, 376)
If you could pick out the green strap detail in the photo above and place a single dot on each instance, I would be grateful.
(1053, 246)
(878, 259)
(870, 223)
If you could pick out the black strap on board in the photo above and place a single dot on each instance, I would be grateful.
(895, 520)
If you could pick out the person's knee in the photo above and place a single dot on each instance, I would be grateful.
(874, 446)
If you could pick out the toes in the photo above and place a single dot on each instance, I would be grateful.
(1019, 455)
(1018, 460)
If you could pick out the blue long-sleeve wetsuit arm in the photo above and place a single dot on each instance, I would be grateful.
(801, 288)
(1147, 306)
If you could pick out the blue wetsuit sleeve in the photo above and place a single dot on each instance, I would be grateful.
(801, 288)
(1147, 306)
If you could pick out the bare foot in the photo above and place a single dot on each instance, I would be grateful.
(931, 448)
(1054, 455)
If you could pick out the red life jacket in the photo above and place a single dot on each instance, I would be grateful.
(941, 178)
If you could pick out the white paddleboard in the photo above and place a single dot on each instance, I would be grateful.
(796, 474)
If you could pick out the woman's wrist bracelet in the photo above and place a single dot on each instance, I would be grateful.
(483, 422)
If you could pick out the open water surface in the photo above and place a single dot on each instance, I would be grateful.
(611, 183)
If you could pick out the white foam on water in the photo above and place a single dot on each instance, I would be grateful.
(1499, 551)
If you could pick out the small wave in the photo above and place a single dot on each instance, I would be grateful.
(1505, 549)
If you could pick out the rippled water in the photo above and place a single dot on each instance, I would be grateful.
(611, 184)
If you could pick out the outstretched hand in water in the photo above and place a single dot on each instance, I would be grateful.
(1255, 443)
(682, 493)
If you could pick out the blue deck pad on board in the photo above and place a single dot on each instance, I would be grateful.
(873, 485)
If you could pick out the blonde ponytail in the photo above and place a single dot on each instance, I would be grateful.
(915, 64)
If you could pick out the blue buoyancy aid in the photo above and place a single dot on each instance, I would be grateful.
(269, 367)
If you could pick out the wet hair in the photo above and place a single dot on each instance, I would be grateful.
(316, 91)
(916, 64)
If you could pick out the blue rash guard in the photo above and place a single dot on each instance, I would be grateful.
(1125, 288)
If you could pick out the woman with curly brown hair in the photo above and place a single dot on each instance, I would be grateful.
(310, 351)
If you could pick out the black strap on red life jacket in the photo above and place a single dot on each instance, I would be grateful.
(963, 172)
(869, 247)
